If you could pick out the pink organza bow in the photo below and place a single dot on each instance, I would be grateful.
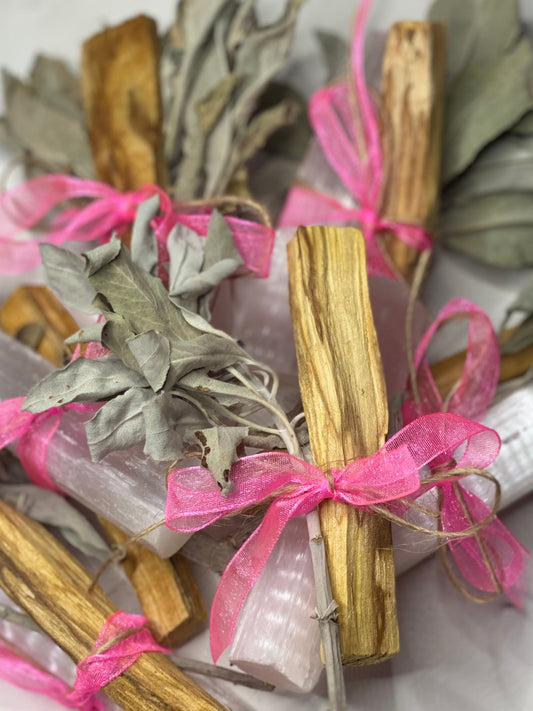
(101, 667)
(34, 432)
(297, 487)
(109, 211)
(20, 672)
(494, 558)
(355, 154)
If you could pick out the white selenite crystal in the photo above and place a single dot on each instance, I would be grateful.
(276, 639)
(126, 488)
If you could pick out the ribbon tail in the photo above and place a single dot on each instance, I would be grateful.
(491, 560)
(305, 206)
(33, 448)
(244, 569)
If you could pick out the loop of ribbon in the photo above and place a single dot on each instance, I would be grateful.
(34, 432)
(295, 488)
(122, 640)
(109, 211)
(21, 672)
(493, 560)
(352, 146)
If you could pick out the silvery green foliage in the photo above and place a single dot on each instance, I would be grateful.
(487, 145)
(171, 380)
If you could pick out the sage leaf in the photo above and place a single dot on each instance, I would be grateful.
(460, 18)
(495, 229)
(504, 166)
(243, 23)
(52, 509)
(524, 301)
(83, 380)
(92, 333)
(54, 136)
(486, 100)
(205, 351)
(210, 108)
(525, 126)
(139, 298)
(335, 53)
(162, 413)
(64, 274)
(219, 452)
(55, 82)
(101, 256)
(144, 250)
(115, 336)
(118, 424)
(151, 350)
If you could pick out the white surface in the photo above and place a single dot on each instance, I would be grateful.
(455, 655)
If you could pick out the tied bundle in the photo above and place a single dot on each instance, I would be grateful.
(297, 487)
(344, 117)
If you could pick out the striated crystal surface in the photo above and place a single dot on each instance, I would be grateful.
(127, 488)
(276, 638)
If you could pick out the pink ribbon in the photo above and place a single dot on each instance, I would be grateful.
(194, 500)
(481, 371)
(109, 211)
(355, 154)
(101, 667)
(34, 432)
(494, 544)
(20, 672)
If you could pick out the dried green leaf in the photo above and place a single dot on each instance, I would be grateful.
(521, 339)
(92, 333)
(196, 18)
(54, 136)
(51, 509)
(139, 298)
(83, 380)
(118, 424)
(486, 100)
(151, 350)
(524, 301)
(64, 274)
(335, 53)
(525, 126)
(263, 126)
(54, 81)
(206, 351)
(495, 229)
(504, 166)
(115, 335)
(219, 451)
(164, 442)
(243, 23)
(143, 242)
(210, 108)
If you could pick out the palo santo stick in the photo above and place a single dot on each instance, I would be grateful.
(122, 101)
(42, 578)
(412, 100)
(167, 591)
(36, 306)
(344, 398)
(448, 371)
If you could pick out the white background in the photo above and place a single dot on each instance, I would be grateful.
(455, 655)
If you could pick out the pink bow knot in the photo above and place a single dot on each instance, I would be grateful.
(294, 488)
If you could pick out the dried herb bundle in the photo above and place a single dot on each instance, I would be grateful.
(170, 380)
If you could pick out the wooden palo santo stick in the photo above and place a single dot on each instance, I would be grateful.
(344, 398)
(167, 591)
(122, 101)
(412, 101)
(42, 578)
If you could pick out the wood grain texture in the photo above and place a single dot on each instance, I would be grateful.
(344, 398)
(42, 578)
(412, 101)
(37, 305)
(167, 591)
(122, 102)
